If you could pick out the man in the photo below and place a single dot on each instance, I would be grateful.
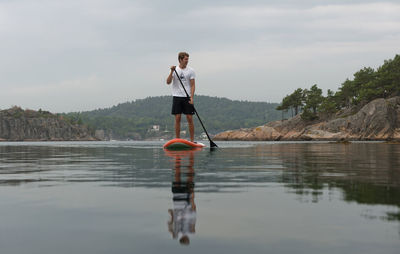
(181, 103)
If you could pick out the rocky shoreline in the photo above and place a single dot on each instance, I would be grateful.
(377, 120)
(29, 125)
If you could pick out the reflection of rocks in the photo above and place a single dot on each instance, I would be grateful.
(378, 120)
(29, 125)
(366, 173)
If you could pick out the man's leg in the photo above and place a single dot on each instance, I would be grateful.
(178, 125)
(191, 126)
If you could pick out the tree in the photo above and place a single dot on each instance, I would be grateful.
(346, 93)
(364, 79)
(314, 98)
(285, 104)
(307, 114)
(296, 100)
(329, 105)
(388, 77)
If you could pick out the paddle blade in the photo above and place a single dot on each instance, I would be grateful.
(212, 144)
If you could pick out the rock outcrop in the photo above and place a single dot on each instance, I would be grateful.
(377, 120)
(29, 125)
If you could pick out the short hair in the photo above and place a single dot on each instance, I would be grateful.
(184, 240)
(182, 55)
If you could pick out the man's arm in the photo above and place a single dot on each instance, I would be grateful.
(169, 79)
(192, 88)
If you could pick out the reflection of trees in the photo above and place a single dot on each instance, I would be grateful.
(122, 166)
(32, 160)
(366, 173)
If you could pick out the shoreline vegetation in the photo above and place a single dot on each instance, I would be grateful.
(365, 108)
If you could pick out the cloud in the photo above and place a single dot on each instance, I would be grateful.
(79, 85)
(275, 23)
(63, 96)
(121, 50)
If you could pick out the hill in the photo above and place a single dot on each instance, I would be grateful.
(134, 120)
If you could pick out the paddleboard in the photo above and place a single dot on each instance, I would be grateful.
(182, 144)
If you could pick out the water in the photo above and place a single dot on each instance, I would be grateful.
(133, 197)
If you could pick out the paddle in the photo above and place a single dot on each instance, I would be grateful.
(212, 144)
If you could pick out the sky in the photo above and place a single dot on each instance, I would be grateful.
(70, 55)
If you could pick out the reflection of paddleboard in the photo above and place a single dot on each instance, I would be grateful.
(179, 154)
(180, 144)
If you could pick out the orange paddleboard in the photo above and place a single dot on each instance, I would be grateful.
(181, 144)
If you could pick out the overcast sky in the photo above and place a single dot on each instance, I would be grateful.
(75, 55)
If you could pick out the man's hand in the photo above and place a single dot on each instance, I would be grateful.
(169, 79)
(191, 100)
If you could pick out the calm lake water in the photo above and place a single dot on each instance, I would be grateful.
(134, 197)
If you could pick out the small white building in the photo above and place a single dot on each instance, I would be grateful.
(203, 136)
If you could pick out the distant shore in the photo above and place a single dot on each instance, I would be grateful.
(17, 124)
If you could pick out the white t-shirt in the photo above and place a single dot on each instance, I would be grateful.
(186, 75)
(184, 218)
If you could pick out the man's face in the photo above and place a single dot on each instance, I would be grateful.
(184, 61)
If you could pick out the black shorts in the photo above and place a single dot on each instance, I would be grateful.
(181, 105)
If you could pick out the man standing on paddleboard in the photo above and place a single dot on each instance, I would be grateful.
(181, 103)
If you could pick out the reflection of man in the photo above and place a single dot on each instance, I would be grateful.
(183, 216)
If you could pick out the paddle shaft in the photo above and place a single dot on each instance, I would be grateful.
(212, 144)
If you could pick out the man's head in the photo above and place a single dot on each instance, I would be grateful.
(184, 240)
(183, 59)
